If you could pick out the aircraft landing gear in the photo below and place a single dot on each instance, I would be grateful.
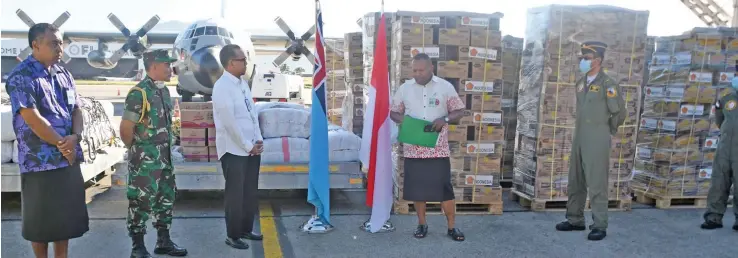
(186, 96)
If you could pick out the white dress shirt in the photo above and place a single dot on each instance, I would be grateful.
(236, 120)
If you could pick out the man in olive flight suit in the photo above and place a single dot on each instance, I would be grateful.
(600, 110)
(146, 129)
(725, 165)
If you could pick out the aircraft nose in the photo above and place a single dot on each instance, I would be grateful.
(207, 65)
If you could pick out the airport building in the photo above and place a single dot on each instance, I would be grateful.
(267, 48)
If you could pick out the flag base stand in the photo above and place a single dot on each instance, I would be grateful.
(387, 227)
(315, 226)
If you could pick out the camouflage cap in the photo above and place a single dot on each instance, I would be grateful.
(158, 55)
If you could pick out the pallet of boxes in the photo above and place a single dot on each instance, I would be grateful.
(353, 105)
(678, 137)
(197, 132)
(465, 49)
(335, 80)
(512, 50)
(547, 98)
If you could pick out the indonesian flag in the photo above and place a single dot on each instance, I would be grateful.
(376, 145)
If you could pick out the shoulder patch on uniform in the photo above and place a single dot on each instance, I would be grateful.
(730, 105)
(612, 92)
(594, 88)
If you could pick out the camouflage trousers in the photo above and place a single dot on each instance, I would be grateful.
(150, 192)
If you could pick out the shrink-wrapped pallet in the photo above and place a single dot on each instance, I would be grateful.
(466, 50)
(678, 138)
(547, 93)
(343, 146)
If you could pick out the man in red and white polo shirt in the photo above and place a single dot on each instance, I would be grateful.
(428, 170)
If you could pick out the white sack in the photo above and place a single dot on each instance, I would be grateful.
(297, 150)
(284, 122)
(108, 107)
(6, 124)
(6, 151)
(15, 152)
(260, 106)
(343, 145)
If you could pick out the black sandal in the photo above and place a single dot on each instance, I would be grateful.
(456, 234)
(421, 231)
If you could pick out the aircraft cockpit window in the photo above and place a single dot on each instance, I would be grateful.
(230, 34)
(211, 30)
(222, 32)
(199, 31)
(190, 34)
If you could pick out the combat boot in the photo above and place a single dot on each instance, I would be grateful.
(139, 248)
(165, 245)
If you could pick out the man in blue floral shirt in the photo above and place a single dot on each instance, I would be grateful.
(47, 121)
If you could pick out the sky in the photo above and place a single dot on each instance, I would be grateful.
(667, 17)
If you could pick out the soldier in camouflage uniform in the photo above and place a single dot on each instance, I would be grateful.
(147, 132)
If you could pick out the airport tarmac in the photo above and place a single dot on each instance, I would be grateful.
(199, 226)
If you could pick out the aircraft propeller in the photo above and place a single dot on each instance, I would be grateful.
(134, 42)
(28, 21)
(296, 46)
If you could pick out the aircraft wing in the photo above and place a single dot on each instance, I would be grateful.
(152, 37)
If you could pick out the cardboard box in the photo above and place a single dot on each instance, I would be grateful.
(193, 137)
(195, 154)
(485, 38)
(197, 118)
(452, 69)
(485, 70)
(196, 106)
(211, 136)
(481, 102)
(455, 37)
(212, 154)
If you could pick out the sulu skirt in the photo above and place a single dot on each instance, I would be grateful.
(53, 205)
(428, 180)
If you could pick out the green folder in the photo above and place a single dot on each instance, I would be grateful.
(417, 132)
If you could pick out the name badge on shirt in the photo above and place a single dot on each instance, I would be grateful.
(71, 96)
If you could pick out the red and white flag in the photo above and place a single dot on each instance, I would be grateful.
(376, 144)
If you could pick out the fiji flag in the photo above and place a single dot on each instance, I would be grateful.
(319, 185)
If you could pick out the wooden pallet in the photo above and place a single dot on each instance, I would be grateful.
(560, 205)
(670, 202)
(405, 207)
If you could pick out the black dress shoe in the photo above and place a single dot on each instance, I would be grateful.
(566, 226)
(711, 225)
(252, 236)
(236, 243)
(597, 234)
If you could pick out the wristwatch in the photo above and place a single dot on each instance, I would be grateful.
(445, 119)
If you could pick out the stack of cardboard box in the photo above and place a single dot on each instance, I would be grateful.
(197, 134)
(336, 91)
(547, 94)
(678, 137)
(369, 24)
(465, 49)
(512, 50)
(353, 106)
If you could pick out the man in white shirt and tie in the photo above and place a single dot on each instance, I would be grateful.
(239, 144)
